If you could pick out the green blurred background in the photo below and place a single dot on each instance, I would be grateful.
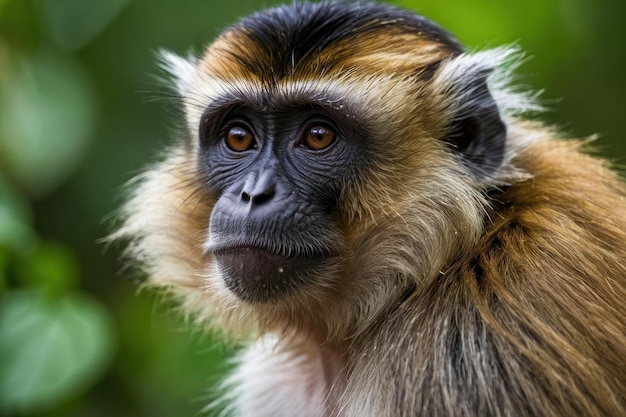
(80, 114)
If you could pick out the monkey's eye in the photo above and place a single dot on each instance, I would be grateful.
(318, 137)
(239, 139)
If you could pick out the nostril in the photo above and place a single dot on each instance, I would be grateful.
(263, 197)
(257, 199)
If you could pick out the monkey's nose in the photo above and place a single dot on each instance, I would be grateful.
(258, 197)
(259, 189)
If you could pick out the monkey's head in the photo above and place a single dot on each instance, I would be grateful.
(334, 155)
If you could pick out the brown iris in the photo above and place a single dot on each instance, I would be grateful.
(239, 139)
(318, 137)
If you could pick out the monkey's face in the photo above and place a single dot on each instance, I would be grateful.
(277, 172)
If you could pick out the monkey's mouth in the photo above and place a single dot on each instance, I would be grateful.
(256, 274)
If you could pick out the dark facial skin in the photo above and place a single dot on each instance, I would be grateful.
(277, 177)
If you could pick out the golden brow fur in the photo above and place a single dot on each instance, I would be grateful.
(445, 301)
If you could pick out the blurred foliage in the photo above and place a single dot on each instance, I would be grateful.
(77, 120)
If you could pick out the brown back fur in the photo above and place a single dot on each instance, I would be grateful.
(533, 322)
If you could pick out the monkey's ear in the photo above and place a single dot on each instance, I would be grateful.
(182, 70)
(474, 127)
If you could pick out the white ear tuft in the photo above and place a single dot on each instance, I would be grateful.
(183, 70)
(498, 64)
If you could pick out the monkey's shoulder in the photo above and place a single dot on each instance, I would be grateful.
(532, 317)
(572, 208)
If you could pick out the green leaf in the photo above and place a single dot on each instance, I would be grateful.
(73, 23)
(50, 349)
(47, 116)
(49, 266)
(15, 218)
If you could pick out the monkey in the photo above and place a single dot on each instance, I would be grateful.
(368, 208)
